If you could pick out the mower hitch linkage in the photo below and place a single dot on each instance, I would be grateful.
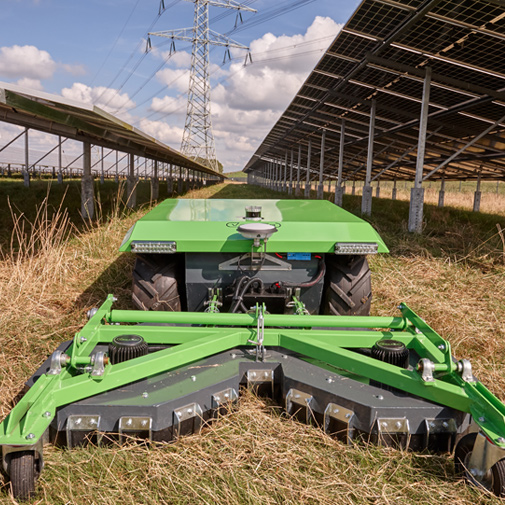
(180, 339)
(28, 421)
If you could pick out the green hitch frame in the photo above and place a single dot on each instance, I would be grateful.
(212, 333)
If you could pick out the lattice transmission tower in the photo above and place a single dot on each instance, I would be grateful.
(198, 139)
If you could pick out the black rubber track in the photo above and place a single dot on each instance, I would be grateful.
(154, 282)
(347, 286)
(462, 456)
(22, 475)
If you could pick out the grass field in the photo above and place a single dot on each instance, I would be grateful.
(53, 267)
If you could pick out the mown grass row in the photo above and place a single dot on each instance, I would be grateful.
(58, 267)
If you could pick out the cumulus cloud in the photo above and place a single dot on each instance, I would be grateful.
(106, 98)
(248, 102)
(280, 66)
(73, 69)
(161, 130)
(26, 82)
(179, 59)
(174, 78)
(26, 62)
(30, 65)
(170, 105)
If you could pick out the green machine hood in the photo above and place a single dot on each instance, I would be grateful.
(303, 226)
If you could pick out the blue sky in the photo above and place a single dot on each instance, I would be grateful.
(86, 50)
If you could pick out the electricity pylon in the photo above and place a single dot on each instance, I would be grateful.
(198, 139)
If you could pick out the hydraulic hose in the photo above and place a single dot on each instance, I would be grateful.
(240, 297)
(313, 282)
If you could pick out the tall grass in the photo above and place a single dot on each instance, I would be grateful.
(57, 266)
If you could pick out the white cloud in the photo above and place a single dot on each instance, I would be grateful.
(280, 66)
(180, 59)
(26, 82)
(249, 101)
(30, 65)
(174, 78)
(170, 105)
(73, 69)
(245, 108)
(26, 62)
(106, 98)
(166, 133)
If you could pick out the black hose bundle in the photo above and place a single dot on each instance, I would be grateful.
(320, 274)
(238, 295)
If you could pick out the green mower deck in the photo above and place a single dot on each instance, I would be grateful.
(240, 298)
(79, 395)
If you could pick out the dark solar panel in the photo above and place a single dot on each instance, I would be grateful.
(381, 54)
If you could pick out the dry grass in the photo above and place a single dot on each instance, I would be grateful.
(454, 276)
(491, 202)
(42, 280)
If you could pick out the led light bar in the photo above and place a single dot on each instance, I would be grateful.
(356, 248)
(149, 246)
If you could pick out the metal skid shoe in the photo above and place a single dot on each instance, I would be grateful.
(390, 380)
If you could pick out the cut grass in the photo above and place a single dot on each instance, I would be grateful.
(453, 275)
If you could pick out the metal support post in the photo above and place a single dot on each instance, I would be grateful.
(417, 192)
(320, 189)
(60, 173)
(477, 195)
(170, 182)
(116, 177)
(298, 168)
(131, 184)
(290, 187)
(26, 173)
(102, 175)
(441, 193)
(378, 190)
(307, 182)
(279, 175)
(393, 196)
(179, 182)
(339, 189)
(155, 183)
(276, 175)
(353, 192)
(285, 181)
(87, 194)
(366, 199)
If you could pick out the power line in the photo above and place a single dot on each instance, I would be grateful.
(138, 46)
(115, 42)
(238, 58)
(273, 13)
(225, 78)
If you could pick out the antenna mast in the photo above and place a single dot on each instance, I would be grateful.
(198, 139)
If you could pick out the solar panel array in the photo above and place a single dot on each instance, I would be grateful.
(382, 54)
(86, 123)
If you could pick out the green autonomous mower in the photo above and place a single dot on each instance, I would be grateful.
(271, 295)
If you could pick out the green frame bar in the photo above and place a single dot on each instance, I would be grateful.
(33, 414)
